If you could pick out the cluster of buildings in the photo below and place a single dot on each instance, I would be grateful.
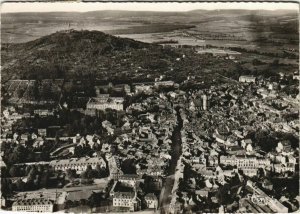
(259, 202)
(129, 199)
(33, 205)
(217, 143)
(104, 102)
(39, 202)
(219, 146)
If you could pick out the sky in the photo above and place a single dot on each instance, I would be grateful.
(84, 7)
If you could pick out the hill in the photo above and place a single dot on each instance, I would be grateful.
(63, 53)
(93, 54)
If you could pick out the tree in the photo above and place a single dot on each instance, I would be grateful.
(69, 204)
(100, 172)
(20, 185)
(28, 169)
(14, 171)
(71, 174)
(275, 62)
(94, 200)
(89, 172)
(32, 174)
(6, 186)
(128, 166)
(44, 179)
(18, 154)
(83, 175)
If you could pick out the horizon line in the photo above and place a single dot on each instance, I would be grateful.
(81, 7)
(155, 11)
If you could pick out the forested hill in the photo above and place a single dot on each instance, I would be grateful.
(64, 53)
(93, 54)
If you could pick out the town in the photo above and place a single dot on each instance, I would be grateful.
(150, 107)
(155, 146)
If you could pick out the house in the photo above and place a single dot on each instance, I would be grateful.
(249, 172)
(284, 147)
(267, 184)
(249, 148)
(142, 88)
(127, 200)
(2, 201)
(245, 142)
(78, 164)
(151, 201)
(238, 133)
(164, 83)
(247, 79)
(128, 179)
(38, 142)
(43, 112)
(227, 160)
(33, 136)
(219, 138)
(106, 88)
(213, 160)
(24, 137)
(5, 113)
(33, 205)
(203, 192)
(42, 132)
(291, 159)
(102, 103)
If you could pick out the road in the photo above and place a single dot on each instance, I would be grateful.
(176, 149)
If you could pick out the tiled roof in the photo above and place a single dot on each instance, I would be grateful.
(34, 201)
(75, 161)
(124, 195)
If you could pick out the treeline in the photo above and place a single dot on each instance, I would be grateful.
(285, 54)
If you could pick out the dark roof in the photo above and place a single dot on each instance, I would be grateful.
(33, 201)
(150, 196)
(126, 195)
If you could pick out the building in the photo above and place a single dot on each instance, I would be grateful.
(296, 77)
(42, 132)
(247, 79)
(110, 87)
(151, 201)
(248, 164)
(164, 83)
(281, 168)
(102, 103)
(128, 179)
(245, 142)
(127, 200)
(272, 203)
(227, 160)
(240, 161)
(2, 201)
(33, 205)
(219, 138)
(78, 164)
(142, 88)
(114, 168)
(43, 112)
(204, 102)
(284, 147)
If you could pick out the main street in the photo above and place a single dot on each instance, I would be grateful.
(165, 194)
